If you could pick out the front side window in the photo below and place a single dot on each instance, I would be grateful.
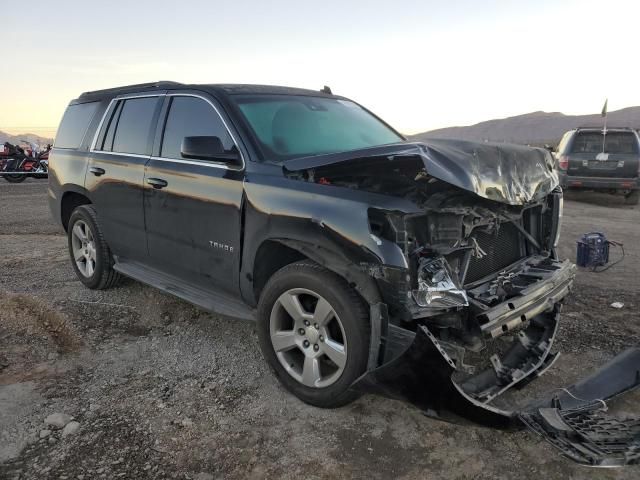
(289, 126)
(132, 126)
(74, 124)
(191, 117)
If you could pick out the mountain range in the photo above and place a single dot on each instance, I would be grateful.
(29, 137)
(536, 128)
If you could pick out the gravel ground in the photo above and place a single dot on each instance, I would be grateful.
(161, 389)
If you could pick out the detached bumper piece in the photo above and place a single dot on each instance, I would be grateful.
(588, 436)
(572, 419)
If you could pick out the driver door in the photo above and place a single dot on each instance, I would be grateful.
(193, 207)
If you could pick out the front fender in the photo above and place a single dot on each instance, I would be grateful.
(328, 224)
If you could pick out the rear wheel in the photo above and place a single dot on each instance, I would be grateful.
(90, 254)
(15, 178)
(314, 333)
(632, 198)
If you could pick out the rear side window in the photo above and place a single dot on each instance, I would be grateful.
(74, 125)
(615, 142)
(133, 125)
(563, 143)
(191, 117)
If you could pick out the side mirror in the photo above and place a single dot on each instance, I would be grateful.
(209, 148)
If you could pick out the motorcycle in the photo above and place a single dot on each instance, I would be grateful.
(16, 164)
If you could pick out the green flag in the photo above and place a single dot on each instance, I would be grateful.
(604, 108)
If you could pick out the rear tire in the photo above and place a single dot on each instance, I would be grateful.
(632, 198)
(90, 255)
(15, 178)
(323, 347)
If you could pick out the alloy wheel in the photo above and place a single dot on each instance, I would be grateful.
(308, 338)
(84, 248)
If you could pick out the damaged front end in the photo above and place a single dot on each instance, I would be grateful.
(475, 309)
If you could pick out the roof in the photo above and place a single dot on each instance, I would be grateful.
(225, 89)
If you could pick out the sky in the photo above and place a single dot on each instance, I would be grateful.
(420, 65)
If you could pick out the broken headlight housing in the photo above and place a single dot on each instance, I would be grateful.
(437, 285)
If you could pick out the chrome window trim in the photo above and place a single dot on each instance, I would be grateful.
(136, 155)
(203, 163)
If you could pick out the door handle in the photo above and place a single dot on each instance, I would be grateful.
(97, 171)
(157, 182)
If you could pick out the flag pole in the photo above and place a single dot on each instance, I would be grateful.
(604, 130)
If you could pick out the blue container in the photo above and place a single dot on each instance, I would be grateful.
(593, 250)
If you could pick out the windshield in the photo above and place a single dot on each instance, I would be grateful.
(289, 126)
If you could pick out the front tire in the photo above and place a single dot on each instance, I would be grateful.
(90, 255)
(314, 332)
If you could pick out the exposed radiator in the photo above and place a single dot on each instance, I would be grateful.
(501, 249)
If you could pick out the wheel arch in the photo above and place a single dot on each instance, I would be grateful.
(275, 253)
(71, 199)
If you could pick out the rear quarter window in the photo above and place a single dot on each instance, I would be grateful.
(74, 125)
(563, 143)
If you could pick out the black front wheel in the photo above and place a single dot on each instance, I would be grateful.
(314, 333)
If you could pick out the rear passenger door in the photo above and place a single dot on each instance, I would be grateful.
(116, 171)
(193, 207)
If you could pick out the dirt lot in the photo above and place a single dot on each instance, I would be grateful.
(162, 389)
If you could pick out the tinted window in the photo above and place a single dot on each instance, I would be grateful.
(74, 124)
(191, 117)
(563, 143)
(615, 142)
(290, 126)
(107, 143)
(134, 126)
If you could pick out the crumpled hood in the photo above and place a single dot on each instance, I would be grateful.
(506, 173)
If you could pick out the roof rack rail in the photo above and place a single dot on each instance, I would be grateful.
(124, 88)
(609, 127)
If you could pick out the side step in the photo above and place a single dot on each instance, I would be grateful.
(587, 435)
(211, 301)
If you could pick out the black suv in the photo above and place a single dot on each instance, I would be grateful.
(590, 159)
(422, 271)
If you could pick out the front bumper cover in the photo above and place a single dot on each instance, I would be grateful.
(422, 376)
(422, 371)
